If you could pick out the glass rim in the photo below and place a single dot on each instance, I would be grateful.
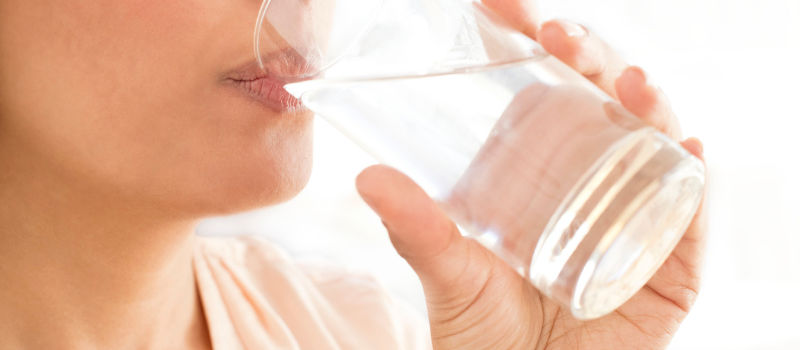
(262, 14)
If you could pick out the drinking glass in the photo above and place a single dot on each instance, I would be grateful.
(524, 154)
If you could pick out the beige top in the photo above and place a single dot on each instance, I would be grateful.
(256, 298)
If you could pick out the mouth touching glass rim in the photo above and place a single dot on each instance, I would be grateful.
(262, 14)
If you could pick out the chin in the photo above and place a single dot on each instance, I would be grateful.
(254, 189)
(256, 173)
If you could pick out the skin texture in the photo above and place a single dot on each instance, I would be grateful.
(475, 300)
(119, 131)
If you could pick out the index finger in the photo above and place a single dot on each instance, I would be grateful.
(522, 14)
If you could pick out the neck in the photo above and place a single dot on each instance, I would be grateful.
(83, 268)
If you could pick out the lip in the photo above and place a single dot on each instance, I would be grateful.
(266, 85)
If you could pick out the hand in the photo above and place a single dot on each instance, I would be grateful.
(475, 300)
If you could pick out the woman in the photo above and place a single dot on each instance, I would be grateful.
(123, 123)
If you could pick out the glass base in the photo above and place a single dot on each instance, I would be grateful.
(618, 224)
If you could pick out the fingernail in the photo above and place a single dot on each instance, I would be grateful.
(572, 29)
(646, 79)
(698, 145)
(694, 146)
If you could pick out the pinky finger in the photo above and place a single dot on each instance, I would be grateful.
(694, 146)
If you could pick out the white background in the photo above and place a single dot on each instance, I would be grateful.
(731, 69)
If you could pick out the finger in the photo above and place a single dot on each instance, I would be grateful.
(641, 97)
(470, 293)
(447, 263)
(695, 147)
(679, 279)
(582, 50)
(699, 226)
(417, 227)
(522, 14)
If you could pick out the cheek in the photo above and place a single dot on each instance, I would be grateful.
(126, 93)
(95, 78)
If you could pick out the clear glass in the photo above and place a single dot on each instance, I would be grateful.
(524, 154)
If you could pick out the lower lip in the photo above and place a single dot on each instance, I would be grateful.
(269, 92)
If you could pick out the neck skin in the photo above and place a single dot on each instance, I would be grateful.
(83, 269)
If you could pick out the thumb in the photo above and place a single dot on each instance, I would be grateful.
(452, 269)
(475, 300)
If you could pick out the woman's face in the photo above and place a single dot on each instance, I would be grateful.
(152, 99)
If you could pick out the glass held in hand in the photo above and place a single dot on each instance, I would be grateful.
(523, 153)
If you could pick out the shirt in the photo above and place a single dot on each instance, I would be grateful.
(255, 297)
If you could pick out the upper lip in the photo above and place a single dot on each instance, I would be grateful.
(285, 66)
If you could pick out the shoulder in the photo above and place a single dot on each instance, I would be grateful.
(249, 252)
(351, 307)
(259, 259)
